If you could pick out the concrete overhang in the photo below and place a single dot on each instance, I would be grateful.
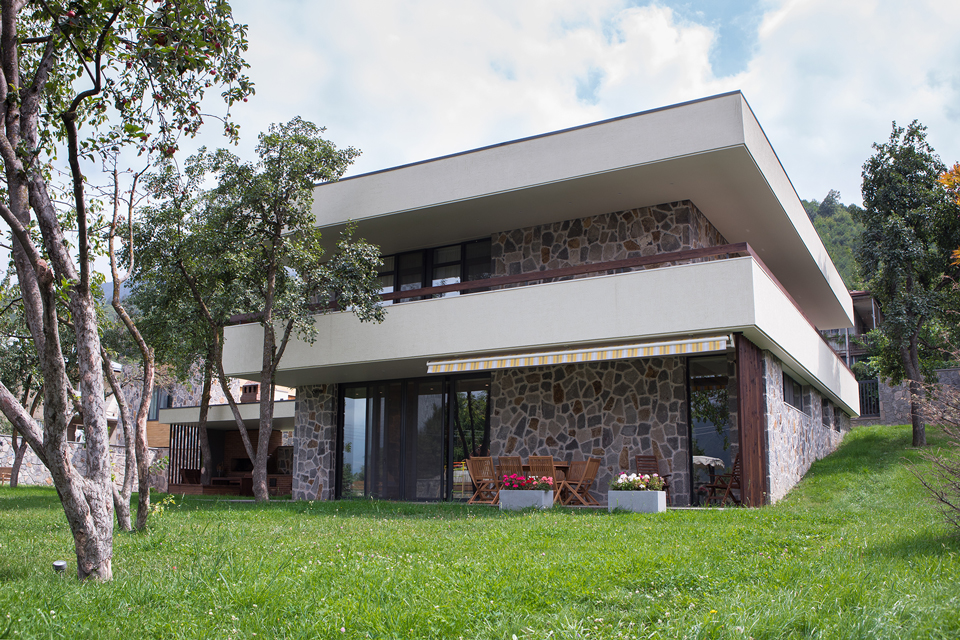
(220, 417)
(712, 152)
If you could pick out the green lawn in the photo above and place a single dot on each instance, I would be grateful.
(856, 551)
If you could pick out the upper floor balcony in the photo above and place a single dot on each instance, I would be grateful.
(695, 293)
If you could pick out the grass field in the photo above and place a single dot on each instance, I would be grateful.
(856, 551)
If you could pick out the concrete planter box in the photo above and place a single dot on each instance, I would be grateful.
(637, 501)
(514, 499)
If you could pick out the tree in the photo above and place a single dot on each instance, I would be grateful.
(178, 250)
(121, 73)
(252, 245)
(839, 232)
(910, 228)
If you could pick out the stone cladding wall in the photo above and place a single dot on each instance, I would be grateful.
(315, 442)
(633, 233)
(34, 472)
(795, 439)
(610, 410)
(895, 399)
(184, 394)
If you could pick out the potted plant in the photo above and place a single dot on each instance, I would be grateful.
(639, 493)
(521, 492)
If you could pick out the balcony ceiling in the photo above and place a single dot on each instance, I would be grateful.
(711, 152)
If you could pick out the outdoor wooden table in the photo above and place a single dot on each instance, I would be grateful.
(560, 465)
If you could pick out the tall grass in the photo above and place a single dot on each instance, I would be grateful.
(856, 551)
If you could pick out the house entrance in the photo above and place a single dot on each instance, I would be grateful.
(408, 439)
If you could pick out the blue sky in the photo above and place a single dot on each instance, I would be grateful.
(414, 80)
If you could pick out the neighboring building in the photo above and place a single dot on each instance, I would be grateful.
(230, 467)
(880, 401)
(644, 285)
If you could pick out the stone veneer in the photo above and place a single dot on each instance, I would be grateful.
(34, 472)
(610, 410)
(895, 399)
(611, 236)
(315, 442)
(795, 439)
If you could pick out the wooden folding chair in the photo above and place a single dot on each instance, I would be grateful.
(589, 476)
(542, 466)
(509, 465)
(649, 465)
(570, 487)
(721, 489)
(484, 480)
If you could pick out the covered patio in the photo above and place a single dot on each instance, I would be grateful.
(231, 467)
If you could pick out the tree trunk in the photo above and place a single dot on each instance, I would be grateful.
(206, 472)
(121, 494)
(17, 462)
(911, 364)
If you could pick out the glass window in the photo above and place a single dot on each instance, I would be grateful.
(447, 255)
(388, 276)
(355, 417)
(446, 268)
(477, 260)
(793, 393)
(161, 399)
(423, 430)
(410, 272)
(400, 437)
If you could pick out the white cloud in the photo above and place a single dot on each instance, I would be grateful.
(414, 80)
(829, 77)
(420, 79)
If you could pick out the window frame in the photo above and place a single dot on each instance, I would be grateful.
(428, 266)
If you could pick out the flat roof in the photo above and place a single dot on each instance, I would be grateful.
(712, 152)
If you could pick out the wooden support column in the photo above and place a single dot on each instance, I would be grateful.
(751, 415)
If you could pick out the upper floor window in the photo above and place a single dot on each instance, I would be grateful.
(161, 400)
(435, 267)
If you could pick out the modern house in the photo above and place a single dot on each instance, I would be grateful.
(648, 284)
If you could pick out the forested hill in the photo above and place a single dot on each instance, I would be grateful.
(839, 232)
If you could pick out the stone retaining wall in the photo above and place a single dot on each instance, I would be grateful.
(34, 472)
(610, 410)
(895, 399)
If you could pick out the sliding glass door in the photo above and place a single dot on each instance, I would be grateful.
(408, 439)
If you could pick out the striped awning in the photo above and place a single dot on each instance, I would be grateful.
(593, 354)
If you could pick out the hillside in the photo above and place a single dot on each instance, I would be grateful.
(839, 233)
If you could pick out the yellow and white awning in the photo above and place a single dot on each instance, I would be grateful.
(593, 354)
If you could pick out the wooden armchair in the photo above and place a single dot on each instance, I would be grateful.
(542, 466)
(509, 465)
(722, 488)
(649, 465)
(484, 480)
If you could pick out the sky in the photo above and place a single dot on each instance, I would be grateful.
(410, 81)
(413, 80)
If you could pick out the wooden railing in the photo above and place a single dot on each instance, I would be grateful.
(738, 249)
(529, 277)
